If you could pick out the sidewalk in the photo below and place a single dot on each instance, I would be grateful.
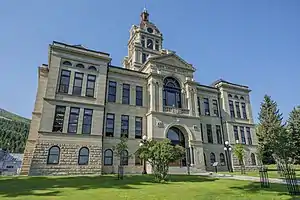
(244, 178)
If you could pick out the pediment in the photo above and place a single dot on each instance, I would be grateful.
(173, 60)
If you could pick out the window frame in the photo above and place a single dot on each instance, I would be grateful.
(124, 159)
(80, 79)
(215, 107)
(236, 133)
(212, 157)
(244, 111)
(86, 114)
(238, 109)
(206, 106)
(210, 137)
(222, 159)
(109, 157)
(64, 88)
(125, 132)
(83, 156)
(231, 108)
(139, 131)
(126, 94)
(49, 154)
(90, 79)
(242, 131)
(219, 134)
(139, 96)
(110, 134)
(56, 114)
(77, 115)
(249, 136)
(112, 85)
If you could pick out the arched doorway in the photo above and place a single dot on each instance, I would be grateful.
(177, 138)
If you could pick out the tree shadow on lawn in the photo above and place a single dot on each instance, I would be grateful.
(50, 186)
(254, 187)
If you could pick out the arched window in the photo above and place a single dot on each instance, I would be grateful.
(222, 159)
(172, 93)
(242, 98)
(68, 63)
(124, 157)
(177, 138)
(253, 160)
(108, 157)
(212, 158)
(236, 96)
(83, 157)
(229, 95)
(92, 68)
(53, 155)
(80, 65)
(150, 44)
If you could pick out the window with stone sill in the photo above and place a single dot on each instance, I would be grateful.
(219, 134)
(58, 122)
(64, 81)
(206, 106)
(215, 107)
(253, 160)
(77, 85)
(73, 120)
(139, 96)
(243, 138)
(110, 125)
(90, 85)
(249, 138)
(83, 157)
(236, 133)
(112, 90)
(53, 155)
(244, 110)
(126, 94)
(209, 134)
(231, 109)
(237, 108)
(222, 159)
(138, 127)
(87, 121)
(124, 126)
(108, 157)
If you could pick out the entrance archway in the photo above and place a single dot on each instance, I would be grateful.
(177, 138)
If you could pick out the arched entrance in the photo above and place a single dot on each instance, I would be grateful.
(177, 138)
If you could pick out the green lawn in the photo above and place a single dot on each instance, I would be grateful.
(134, 187)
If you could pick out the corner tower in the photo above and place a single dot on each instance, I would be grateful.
(145, 40)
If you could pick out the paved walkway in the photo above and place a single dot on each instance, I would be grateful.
(244, 178)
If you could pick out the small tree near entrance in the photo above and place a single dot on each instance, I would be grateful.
(160, 154)
(239, 153)
(120, 149)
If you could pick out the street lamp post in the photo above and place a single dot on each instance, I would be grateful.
(227, 149)
(144, 142)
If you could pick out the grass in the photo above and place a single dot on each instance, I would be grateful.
(180, 187)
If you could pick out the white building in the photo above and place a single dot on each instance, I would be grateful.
(84, 104)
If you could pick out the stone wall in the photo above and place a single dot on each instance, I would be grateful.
(68, 162)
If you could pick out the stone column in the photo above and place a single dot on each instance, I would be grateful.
(196, 102)
(160, 97)
(183, 99)
(198, 157)
(66, 120)
(152, 95)
(84, 82)
(189, 99)
(119, 93)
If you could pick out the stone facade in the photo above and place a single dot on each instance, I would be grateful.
(153, 94)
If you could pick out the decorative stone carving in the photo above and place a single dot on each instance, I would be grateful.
(159, 124)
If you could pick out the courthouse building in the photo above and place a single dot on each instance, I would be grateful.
(84, 105)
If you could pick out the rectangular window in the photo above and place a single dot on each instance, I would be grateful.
(124, 126)
(249, 138)
(231, 108)
(90, 85)
(243, 138)
(64, 81)
(77, 85)
(209, 134)
(215, 107)
(138, 127)
(87, 121)
(73, 120)
(139, 96)
(144, 58)
(198, 104)
(59, 116)
(126, 94)
(219, 134)
(238, 111)
(201, 129)
(110, 125)
(112, 90)
(244, 110)
(206, 106)
(236, 133)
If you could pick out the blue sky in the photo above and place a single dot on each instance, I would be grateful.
(256, 43)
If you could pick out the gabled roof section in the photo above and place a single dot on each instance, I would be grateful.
(173, 59)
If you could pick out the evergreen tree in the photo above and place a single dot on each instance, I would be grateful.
(293, 128)
(270, 122)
